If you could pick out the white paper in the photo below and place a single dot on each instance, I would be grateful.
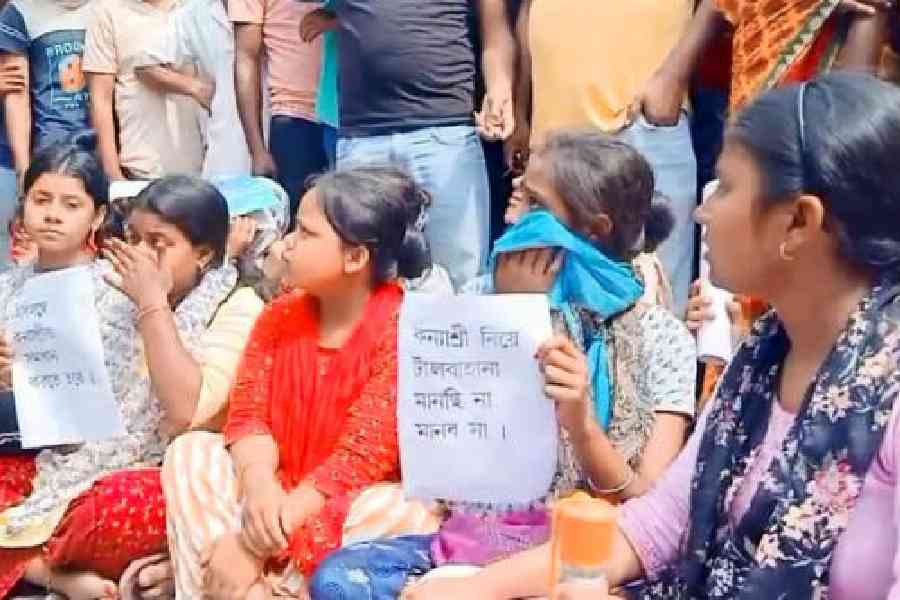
(127, 188)
(474, 422)
(62, 388)
(714, 340)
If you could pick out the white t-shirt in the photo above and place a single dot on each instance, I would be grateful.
(158, 134)
(202, 35)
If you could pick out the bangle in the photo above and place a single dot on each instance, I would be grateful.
(146, 312)
(629, 479)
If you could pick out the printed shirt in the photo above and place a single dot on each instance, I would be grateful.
(52, 37)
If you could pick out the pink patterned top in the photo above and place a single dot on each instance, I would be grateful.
(865, 564)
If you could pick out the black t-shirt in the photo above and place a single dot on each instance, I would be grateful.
(405, 64)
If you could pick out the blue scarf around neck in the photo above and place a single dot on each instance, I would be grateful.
(589, 279)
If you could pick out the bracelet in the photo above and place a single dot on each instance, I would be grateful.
(629, 479)
(146, 312)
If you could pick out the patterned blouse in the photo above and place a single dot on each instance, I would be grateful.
(653, 367)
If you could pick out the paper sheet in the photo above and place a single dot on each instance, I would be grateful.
(474, 422)
(62, 388)
(714, 340)
(126, 189)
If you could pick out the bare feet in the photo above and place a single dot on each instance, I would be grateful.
(157, 581)
(149, 578)
(75, 585)
(83, 585)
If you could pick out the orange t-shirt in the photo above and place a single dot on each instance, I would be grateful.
(293, 65)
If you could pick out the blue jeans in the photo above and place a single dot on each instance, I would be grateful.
(8, 199)
(671, 155)
(449, 163)
(297, 149)
(329, 143)
(372, 570)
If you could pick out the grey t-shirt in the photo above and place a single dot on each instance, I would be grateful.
(405, 64)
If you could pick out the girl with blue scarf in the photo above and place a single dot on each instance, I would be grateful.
(621, 372)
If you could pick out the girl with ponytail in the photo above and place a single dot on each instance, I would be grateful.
(312, 415)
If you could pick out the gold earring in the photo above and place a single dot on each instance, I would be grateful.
(782, 251)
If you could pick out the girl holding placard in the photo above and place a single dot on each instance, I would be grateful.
(96, 504)
(788, 486)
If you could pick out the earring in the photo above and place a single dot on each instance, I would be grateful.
(782, 252)
(90, 244)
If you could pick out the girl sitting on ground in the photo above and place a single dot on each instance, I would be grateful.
(162, 226)
(65, 510)
(312, 416)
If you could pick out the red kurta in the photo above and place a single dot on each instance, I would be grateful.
(331, 412)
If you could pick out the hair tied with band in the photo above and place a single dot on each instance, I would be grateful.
(384, 209)
(659, 224)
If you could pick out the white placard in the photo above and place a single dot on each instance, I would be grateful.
(62, 388)
(714, 343)
(474, 422)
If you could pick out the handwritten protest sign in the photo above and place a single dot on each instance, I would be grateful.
(62, 388)
(474, 422)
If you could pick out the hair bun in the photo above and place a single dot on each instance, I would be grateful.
(879, 252)
(414, 256)
(659, 224)
(85, 140)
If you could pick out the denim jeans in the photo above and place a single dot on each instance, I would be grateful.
(671, 155)
(8, 199)
(449, 163)
(298, 151)
(329, 143)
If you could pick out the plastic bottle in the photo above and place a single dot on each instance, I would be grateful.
(583, 533)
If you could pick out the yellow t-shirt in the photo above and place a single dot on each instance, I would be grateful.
(221, 349)
(590, 58)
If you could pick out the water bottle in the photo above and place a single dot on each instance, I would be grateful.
(584, 529)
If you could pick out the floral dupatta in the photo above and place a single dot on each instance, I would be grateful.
(782, 547)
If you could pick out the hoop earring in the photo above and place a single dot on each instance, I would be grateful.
(90, 244)
(782, 252)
